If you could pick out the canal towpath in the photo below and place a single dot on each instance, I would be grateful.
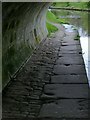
(53, 84)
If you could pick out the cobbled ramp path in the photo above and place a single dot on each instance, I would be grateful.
(53, 84)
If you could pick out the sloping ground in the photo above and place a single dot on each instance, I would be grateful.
(21, 98)
(66, 95)
(24, 27)
(52, 85)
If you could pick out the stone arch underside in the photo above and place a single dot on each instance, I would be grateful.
(24, 27)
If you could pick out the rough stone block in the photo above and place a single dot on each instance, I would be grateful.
(70, 79)
(71, 69)
(70, 60)
(66, 108)
(66, 90)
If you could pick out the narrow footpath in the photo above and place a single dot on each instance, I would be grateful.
(53, 84)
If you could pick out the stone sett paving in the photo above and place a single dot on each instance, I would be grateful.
(52, 85)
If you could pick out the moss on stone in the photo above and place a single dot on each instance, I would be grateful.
(38, 39)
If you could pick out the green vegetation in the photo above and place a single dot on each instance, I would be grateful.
(88, 4)
(60, 4)
(52, 18)
(81, 5)
(38, 39)
(51, 28)
(77, 37)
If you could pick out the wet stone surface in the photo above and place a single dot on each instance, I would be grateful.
(69, 79)
(69, 69)
(70, 60)
(21, 98)
(64, 108)
(52, 85)
(66, 90)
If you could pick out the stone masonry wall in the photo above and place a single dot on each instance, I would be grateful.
(24, 27)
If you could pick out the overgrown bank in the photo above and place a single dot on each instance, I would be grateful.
(81, 5)
(52, 18)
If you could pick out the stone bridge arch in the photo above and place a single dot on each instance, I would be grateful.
(24, 27)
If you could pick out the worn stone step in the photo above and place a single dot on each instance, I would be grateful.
(78, 51)
(70, 55)
(57, 91)
(70, 79)
(72, 47)
(70, 60)
(65, 108)
(71, 69)
(70, 43)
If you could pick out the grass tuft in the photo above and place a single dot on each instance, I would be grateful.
(51, 28)
(77, 37)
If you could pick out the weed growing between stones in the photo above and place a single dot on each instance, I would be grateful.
(77, 37)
